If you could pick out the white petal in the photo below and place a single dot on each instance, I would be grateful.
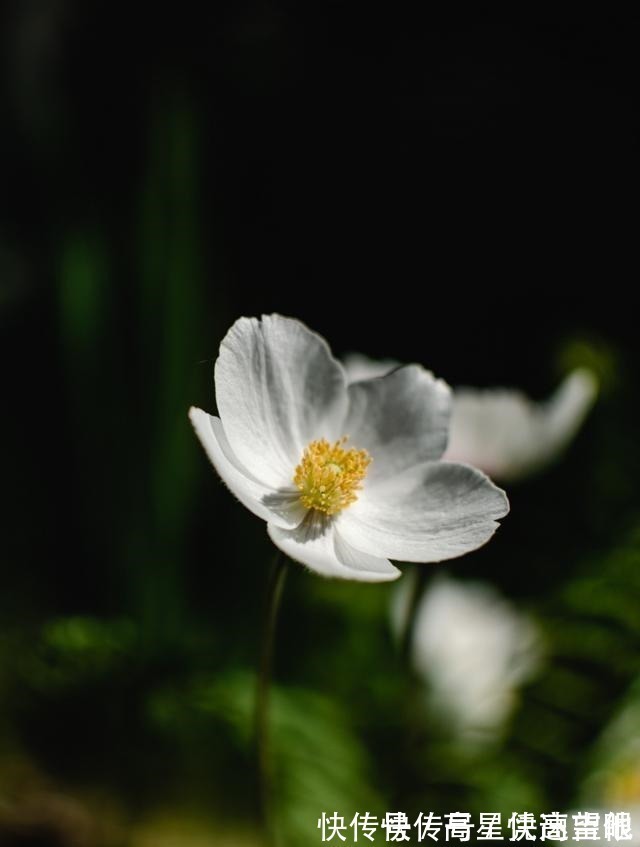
(401, 419)
(508, 436)
(280, 507)
(359, 367)
(277, 389)
(428, 513)
(318, 544)
(474, 649)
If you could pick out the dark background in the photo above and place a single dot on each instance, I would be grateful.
(459, 194)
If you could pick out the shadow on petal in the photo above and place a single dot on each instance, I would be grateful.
(286, 504)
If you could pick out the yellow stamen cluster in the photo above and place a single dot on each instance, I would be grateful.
(329, 476)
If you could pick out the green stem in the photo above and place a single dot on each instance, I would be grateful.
(420, 578)
(274, 593)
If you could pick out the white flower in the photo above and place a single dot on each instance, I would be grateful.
(359, 367)
(473, 649)
(342, 508)
(509, 436)
(501, 431)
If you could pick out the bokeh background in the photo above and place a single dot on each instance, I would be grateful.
(459, 194)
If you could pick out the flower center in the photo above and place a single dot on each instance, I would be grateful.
(328, 476)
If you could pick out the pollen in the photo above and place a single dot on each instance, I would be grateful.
(329, 476)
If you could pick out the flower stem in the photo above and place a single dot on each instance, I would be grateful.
(418, 584)
(274, 593)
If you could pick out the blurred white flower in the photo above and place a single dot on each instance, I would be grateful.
(342, 508)
(501, 431)
(473, 649)
(509, 436)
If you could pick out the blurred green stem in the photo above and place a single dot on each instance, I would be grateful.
(418, 585)
(274, 594)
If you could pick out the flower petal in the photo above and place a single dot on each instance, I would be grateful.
(280, 507)
(277, 389)
(508, 436)
(357, 366)
(432, 512)
(318, 544)
(402, 419)
(474, 649)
